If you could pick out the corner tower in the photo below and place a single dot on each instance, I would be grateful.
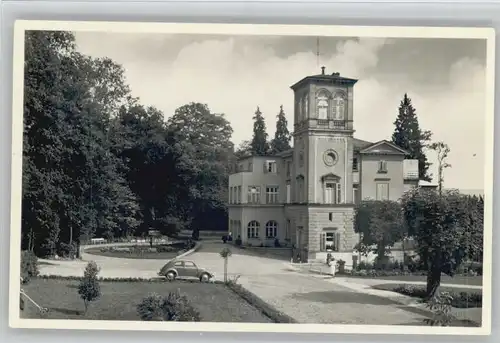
(323, 139)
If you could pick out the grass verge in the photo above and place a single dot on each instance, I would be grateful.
(215, 302)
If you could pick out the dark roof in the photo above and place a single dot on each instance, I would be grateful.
(360, 144)
(334, 78)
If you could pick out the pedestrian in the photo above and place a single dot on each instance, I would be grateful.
(333, 267)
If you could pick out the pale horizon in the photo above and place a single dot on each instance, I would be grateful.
(445, 78)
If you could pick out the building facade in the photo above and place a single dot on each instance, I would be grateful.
(305, 197)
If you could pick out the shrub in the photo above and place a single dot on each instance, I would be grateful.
(173, 307)
(190, 244)
(29, 266)
(67, 250)
(440, 307)
(89, 288)
(458, 300)
(165, 248)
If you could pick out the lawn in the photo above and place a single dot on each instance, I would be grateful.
(157, 252)
(215, 302)
(458, 279)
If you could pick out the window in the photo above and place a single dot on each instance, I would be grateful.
(240, 167)
(271, 229)
(178, 264)
(253, 229)
(329, 240)
(189, 264)
(332, 193)
(300, 190)
(299, 110)
(330, 216)
(288, 193)
(303, 107)
(355, 164)
(230, 195)
(288, 168)
(322, 105)
(254, 195)
(383, 191)
(271, 194)
(338, 107)
(238, 195)
(250, 167)
(355, 194)
(287, 229)
(301, 159)
(270, 167)
(382, 166)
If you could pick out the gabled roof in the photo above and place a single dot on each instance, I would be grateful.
(394, 149)
(360, 144)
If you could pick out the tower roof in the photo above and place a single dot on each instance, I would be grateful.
(324, 78)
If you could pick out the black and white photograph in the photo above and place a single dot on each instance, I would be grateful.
(262, 178)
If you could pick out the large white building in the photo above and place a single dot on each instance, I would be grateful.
(305, 197)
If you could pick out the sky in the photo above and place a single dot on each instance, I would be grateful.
(445, 79)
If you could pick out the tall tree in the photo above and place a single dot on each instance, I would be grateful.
(205, 140)
(408, 135)
(442, 150)
(448, 228)
(259, 144)
(380, 224)
(282, 137)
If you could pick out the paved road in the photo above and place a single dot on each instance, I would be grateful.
(306, 298)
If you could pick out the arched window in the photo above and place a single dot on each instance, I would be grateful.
(322, 106)
(339, 106)
(305, 109)
(271, 229)
(253, 229)
(299, 110)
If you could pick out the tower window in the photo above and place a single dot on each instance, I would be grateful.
(338, 107)
(322, 107)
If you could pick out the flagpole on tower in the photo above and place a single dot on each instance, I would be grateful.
(317, 51)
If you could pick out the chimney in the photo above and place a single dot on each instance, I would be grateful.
(322, 70)
(336, 74)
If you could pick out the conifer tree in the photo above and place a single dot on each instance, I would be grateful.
(408, 135)
(260, 146)
(282, 137)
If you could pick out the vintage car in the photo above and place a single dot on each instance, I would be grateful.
(185, 269)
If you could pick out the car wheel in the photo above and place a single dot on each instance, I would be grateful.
(170, 276)
(204, 277)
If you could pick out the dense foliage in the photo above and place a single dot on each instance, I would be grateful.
(259, 144)
(380, 224)
(97, 163)
(409, 136)
(29, 266)
(448, 229)
(173, 307)
(282, 136)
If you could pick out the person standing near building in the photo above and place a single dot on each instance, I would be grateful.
(333, 266)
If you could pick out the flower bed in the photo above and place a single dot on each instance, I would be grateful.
(464, 298)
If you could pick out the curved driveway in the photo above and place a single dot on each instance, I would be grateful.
(306, 298)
